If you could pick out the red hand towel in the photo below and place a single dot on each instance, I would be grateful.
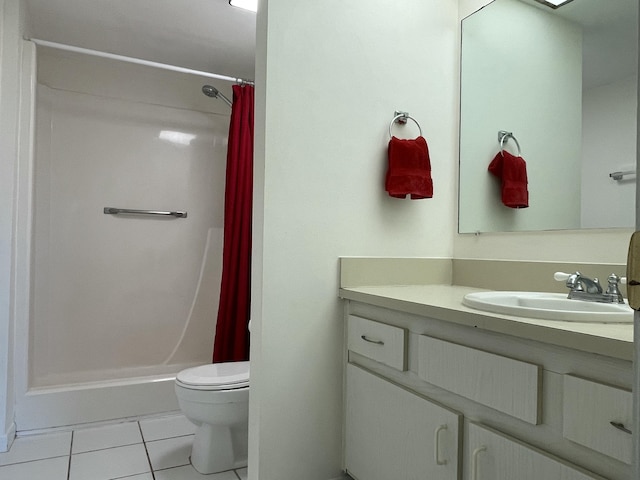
(512, 171)
(409, 170)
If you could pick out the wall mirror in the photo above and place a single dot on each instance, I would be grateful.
(564, 81)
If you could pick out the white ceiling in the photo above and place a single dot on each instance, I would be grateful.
(610, 33)
(212, 36)
(609, 36)
(207, 35)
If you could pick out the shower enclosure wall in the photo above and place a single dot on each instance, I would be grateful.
(117, 303)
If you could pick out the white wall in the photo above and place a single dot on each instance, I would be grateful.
(521, 72)
(467, 7)
(609, 145)
(11, 27)
(334, 74)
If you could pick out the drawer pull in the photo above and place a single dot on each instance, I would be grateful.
(437, 445)
(377, 342)
(474, 461)
(620, 426)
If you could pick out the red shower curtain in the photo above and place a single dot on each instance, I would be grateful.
(232, 338)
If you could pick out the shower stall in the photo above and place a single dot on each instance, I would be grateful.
(122, 291)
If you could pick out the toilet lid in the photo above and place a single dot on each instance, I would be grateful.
(216, 376)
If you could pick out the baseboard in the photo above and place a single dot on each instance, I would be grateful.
(6, 439)
(344, 476)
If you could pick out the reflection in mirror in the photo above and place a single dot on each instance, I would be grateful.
(564, 83)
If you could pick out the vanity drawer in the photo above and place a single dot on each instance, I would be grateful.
(504, 384)
(588, 410)
(378, 341)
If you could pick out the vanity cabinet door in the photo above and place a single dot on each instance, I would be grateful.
(391, 433)
(490, 455)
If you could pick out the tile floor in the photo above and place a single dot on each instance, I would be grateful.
(149, 449)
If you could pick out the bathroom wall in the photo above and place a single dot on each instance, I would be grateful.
(11, 27)
(609, 145)
(467, 7)
(330, 75)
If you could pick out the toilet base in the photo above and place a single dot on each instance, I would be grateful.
(218, 448)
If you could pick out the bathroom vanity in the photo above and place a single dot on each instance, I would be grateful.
(437, 390)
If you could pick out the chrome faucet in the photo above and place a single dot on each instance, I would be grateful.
(579, 283)
(584, 288)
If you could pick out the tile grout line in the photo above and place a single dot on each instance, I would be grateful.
(169, 438)
(128, 476)
(153, 475)
(32, 460)
(70, 454)
(108, 448)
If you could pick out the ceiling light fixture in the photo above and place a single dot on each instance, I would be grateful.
(554, 3)
(251, 5)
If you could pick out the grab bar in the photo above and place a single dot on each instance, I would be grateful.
(128, 211)
(621, 175)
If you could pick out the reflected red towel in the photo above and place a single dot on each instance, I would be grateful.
(409, 170)
(512, 171)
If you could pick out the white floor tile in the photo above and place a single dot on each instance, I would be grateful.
(37, 447)
(49, 469)
(108, 436)
(242, 473)
(110, 463)
(166, 427)
(142, 476)
(189, 473)
(171, 452)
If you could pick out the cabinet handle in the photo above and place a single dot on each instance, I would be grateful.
(377, 342)
(620, 426)
(437, 445)
(474, 461)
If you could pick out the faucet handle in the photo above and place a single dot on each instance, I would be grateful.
(572, 280)
(614, 279)
(561, 276)
(612, 289)
(579, 283)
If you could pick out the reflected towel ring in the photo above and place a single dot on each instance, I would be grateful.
(403, 116)
(503, 137)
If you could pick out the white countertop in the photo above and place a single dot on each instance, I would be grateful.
(444, 302)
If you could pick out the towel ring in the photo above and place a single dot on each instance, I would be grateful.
(405, 116)
(503, 137)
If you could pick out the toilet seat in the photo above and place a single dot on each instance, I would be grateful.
(215, 376)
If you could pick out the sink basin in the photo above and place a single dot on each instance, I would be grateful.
(549, 306)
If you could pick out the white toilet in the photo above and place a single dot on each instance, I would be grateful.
(215, 397)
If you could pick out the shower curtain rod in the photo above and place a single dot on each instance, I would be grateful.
(138, 61)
